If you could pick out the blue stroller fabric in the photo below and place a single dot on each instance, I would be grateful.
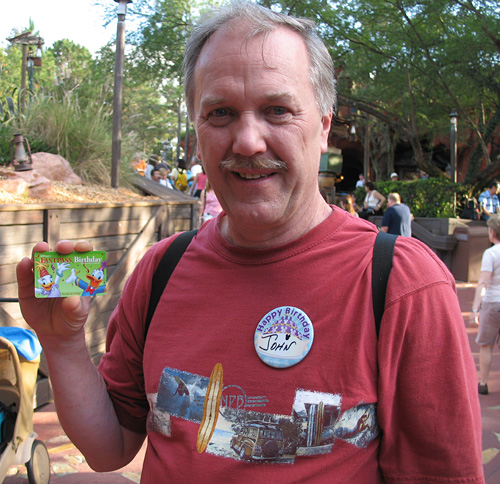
(24, 340)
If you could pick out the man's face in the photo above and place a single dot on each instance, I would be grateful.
(254, 99)
(156, 176)
(494, 190)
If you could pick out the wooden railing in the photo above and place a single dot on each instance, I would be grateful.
(125, 231)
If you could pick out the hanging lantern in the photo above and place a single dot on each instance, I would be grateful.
(21, 160)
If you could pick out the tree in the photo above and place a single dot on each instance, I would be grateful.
(408, 63)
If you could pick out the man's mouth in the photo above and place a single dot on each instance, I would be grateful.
(253, 176)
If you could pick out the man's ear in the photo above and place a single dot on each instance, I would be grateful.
(326, 122)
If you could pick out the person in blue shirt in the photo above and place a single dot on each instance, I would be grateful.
(397, 218)
(488, 201)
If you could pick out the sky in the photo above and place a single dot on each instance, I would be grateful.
(78, 20)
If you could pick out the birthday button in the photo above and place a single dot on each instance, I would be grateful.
(284, 337)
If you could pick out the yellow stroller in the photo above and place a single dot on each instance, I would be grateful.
(19, 361)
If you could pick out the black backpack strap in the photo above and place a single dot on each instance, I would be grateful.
(164, 270)
(383, 251)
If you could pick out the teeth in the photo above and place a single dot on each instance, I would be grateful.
(249, 176)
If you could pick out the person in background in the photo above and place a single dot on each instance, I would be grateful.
(139, 164)
(347, 203)
(164, 178)
(486, 308)
(397, 218)
(152, 162)
(156, 175)
(211, 207)
(373, 201)
(199, 184)
(278, 340)
(195, 166)
(361, 181)
(488, 201)
(394, 176)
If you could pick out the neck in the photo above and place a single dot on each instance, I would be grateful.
(268, 237)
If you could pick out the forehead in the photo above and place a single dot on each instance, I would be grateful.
(232, 52)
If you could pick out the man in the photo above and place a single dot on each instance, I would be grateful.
(397, 218)
(394, 176)
(275, 359)
(361, 181)
(195, 166)
(155, 174)
(152, 162)
(488, 200)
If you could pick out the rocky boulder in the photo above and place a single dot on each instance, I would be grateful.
(37, 183)
(55, 167)
(30, 182)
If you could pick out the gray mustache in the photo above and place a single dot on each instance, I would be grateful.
(257, 162)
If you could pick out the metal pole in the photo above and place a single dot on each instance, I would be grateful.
(453, 145)
(117, 99)
(179, 131)
(23, 75)
(366, 152)
(186, 143)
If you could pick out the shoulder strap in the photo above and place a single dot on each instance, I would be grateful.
(383, 251)
(382, 264)
(164, 270)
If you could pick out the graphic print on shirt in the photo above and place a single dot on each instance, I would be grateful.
(241, 431)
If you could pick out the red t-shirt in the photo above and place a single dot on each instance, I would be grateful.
(352, 410)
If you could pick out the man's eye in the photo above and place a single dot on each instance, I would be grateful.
(219, 112)
(219, 117)
(279, 114)
(278, 110)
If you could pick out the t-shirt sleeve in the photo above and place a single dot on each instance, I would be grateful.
(487, 262)
(428, 405)
(386, 219)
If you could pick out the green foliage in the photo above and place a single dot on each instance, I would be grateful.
(410, 62)
(83, 137)
(429, 197)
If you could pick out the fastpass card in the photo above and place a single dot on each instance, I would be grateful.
(64, 275)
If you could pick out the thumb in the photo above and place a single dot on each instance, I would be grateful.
(75, 311)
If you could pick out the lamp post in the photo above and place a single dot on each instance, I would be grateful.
(453, 145)
(118, 87)
(27, 42)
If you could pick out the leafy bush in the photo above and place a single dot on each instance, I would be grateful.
(57, 124)
(430, 197)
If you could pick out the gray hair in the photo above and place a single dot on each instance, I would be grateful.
(264, 21)
(494, 224)
(394, 197)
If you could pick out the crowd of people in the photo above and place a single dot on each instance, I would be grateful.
(192, 180)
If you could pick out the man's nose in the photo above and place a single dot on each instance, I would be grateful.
(249, 135)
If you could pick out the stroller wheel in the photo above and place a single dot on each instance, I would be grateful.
(39, 465)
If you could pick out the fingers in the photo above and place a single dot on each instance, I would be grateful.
(24, 272)
(64, 246)
(67, 246)
(40, 247)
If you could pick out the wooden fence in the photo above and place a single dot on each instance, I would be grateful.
(124, 230)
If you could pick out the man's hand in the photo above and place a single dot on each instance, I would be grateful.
(62, 317)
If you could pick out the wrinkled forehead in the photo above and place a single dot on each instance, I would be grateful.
(242, 40)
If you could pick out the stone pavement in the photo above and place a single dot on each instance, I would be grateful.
(490, 404)
(69, 467)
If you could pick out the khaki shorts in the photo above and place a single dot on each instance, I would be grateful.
(489, 324)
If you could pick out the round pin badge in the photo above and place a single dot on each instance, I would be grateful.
(284, 337)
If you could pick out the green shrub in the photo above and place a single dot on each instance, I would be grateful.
(57, 124)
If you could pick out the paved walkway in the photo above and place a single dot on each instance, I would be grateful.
(69, 467)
